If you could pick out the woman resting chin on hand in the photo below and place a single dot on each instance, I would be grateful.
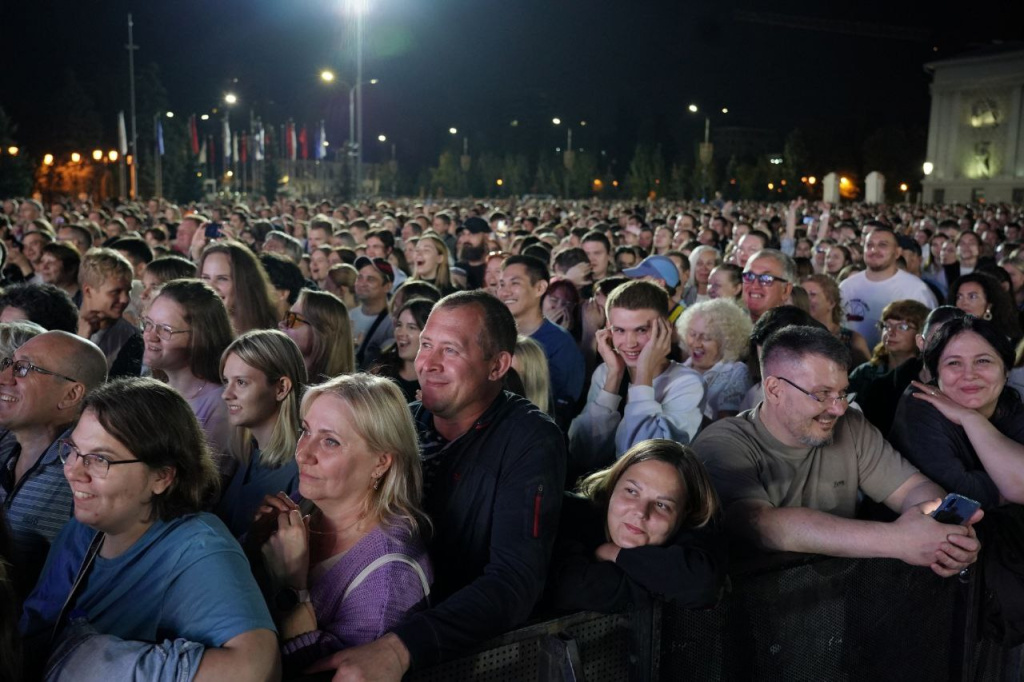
(644, 528)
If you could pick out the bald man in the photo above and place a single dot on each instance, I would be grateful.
(41, 392)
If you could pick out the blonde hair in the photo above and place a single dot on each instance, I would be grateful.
(13, 335)
(443, 278)
(700, 502)
(727, 323)
(99, 265)
(275, 355)
(534, 372)
(333, 350)
(381, 417)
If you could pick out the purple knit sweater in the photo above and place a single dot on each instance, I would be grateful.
(383, 600)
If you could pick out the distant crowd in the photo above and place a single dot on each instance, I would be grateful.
(249, 440)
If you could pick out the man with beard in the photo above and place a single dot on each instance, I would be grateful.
(789, 472)
(473, 251)
(866, 294)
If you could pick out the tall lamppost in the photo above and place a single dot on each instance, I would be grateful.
(707, 150)
(358, 8)
(355, 134)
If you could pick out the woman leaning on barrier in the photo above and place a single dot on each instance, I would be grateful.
(965, 431)
(644, 528)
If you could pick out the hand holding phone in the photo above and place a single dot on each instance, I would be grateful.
(955, 509)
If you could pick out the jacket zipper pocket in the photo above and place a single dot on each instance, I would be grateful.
(536, 510)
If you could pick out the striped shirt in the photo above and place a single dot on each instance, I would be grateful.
(35, 508)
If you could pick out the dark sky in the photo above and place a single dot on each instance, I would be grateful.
(628, 67)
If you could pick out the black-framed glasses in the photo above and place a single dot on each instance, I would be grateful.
(766, 280)
(293, 320)
(98, 466)
(896, 327)
(23, 367)
(823, 397)
(165, 331)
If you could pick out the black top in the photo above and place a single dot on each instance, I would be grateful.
(689, 570)
(942, 450)
(880, 396)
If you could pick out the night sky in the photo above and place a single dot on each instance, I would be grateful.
(627, 67)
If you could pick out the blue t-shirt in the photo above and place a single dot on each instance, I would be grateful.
(565, 362)
(185, 578)
(250, 484)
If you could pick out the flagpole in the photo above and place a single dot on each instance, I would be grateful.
(158, 175)
(133, 168)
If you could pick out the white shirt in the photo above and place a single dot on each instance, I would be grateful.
(864, 300)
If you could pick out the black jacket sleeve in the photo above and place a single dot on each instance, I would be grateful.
(689, 571)
(525, 521)
(941, 450)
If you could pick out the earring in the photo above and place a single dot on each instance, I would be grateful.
(376, 482)
(988, 313)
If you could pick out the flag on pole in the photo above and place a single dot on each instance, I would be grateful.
(193, 130)
(202, 154)
(234, 147)
(122, 136)
(321, 143)
(227, 140)
(159, 137)
(304, 143)
(260, 147)
(292, 147)
(244, 148)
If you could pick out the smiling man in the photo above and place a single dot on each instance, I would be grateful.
(866, 293)
(41, 393)
(768, 279)
(522, 287)
(789, 472)
(493, 468)
(105, 277)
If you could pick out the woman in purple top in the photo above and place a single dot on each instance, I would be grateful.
(186, 330)
(355, 566)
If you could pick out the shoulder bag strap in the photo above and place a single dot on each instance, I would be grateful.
(76, 587)
(387, 559)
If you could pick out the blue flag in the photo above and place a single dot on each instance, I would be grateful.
(160, 137)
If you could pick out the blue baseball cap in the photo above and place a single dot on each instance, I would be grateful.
(659, 267)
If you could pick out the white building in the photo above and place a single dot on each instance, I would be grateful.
(976, 131)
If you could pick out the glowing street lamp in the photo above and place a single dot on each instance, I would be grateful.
(170, 114)
(231, 98)
(97, 155)
(382, 138)
(204, 117)
(48, 160)
(453, 131)
(928, 167)
(12, 150)
(692, 108)
(76, 157)
(112, 155)
(327, 76)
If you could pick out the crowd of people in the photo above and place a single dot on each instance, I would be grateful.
(249, 439)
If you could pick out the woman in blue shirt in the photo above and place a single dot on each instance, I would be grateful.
(140, 567)
(264, 377)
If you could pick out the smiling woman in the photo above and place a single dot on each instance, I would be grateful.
(155, 568)
(644, 526)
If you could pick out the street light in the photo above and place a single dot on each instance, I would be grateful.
(692, 108)
(204, 117)
(453, 131)
(48, 160)
(327, 76)
(97, 155)
(382, 138)
(230, 98)
(557, 121)
(12, 150)
(928, 167)
(170, 114)
(112, 155)
(76, 157)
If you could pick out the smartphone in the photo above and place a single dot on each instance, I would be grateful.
(955, 509)
(212, 230)
(808, 220)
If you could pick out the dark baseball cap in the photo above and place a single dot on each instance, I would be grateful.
(476, 225)
(379, 264)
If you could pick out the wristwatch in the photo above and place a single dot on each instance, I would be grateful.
(287, 598)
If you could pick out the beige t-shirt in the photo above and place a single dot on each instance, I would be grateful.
(747, 463)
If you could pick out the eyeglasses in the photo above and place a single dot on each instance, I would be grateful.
(891, 327)
(165, 331)
(23, 367)
(293, 320)
(824, 397)
(98, 466)
(766, 280)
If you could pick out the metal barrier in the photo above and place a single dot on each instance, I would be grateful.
(787, 618)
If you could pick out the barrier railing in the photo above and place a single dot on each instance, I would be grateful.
(787, 617)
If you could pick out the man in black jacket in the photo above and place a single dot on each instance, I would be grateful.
(493, 468)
